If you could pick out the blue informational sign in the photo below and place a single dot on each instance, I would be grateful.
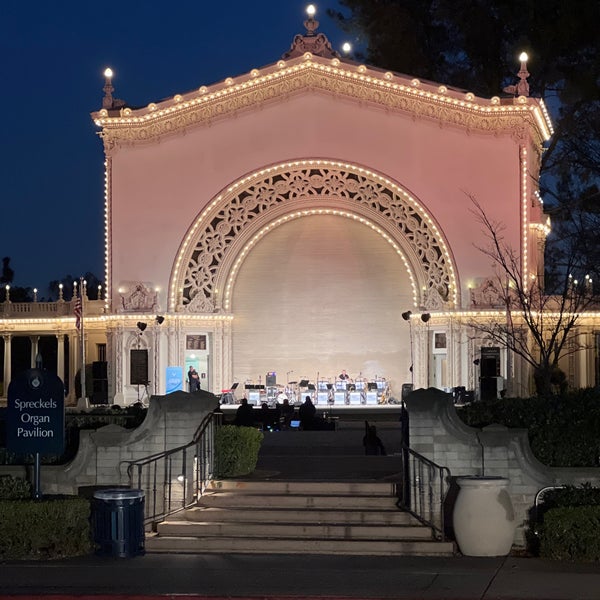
(174, 379)
(35, 413)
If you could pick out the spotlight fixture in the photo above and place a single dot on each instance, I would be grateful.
(476, 362)
(141, 326)
(160, 319)
(406, 315)
(425, 317)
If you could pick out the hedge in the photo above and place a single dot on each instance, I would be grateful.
(236, 450)
(564, 431)
(571, 533)
(44, 529)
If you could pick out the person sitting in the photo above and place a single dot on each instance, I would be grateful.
(267, 417)
(286, 411)
(372, 443)
(244, 416)
(307, 412)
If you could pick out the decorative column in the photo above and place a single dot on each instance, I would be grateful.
(35, 340)
(74, 363)
(156, 360)
(60, 355)
(7, 362)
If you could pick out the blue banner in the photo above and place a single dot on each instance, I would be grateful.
(174, 379)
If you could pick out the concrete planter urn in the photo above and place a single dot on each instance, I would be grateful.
(484, 518)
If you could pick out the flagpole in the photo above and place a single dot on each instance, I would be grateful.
(82, 343)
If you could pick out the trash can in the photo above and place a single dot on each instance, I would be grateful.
(118, 522)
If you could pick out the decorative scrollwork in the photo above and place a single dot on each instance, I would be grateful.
(350, 188)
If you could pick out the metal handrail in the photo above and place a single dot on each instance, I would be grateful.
(423, 490)
(174, 479)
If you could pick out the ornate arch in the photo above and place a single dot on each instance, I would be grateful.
(220, 238)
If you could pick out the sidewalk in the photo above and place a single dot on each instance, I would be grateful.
(285, 576)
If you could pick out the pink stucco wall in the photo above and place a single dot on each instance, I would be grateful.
(159, 188)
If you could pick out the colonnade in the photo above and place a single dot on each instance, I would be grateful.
(61, 364)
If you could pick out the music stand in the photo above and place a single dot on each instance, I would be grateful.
(303, 383)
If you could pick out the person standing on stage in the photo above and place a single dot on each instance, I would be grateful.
(194, 379)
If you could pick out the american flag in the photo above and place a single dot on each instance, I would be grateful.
(77, 311)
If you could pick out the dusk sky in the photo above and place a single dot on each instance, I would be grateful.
(52, 56)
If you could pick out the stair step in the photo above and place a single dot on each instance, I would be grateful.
(250, 545)
(297, 517)
(256, 515)
(321, 488)
(276, 530)
(248, 500)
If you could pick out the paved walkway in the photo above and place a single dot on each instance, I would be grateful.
(274, 576)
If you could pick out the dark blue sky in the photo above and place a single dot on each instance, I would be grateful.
(52, 56)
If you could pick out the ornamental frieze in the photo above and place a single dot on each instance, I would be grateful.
(242, 215)
(205, 107)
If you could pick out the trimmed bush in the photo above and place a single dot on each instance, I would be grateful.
(236, 450)
(564, 431)
(44, 529)
(14, 488)
(571, 533)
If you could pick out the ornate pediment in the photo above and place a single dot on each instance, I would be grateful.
(137, 296)
(309, 73)
(487, 295)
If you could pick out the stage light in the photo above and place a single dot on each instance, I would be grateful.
(141, 326)
(425, 317)
(160, 320)
(406, 315)
(476, 362)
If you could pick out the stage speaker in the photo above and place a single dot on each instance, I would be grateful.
(100, 391)
(271, 379)
(100, 369)
(138, 367)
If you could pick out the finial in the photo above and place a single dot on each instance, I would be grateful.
(108, 101)
(35, 291)
(522, 87)
(311, 23)
(7, 290)
(315, 43)
(60, 291)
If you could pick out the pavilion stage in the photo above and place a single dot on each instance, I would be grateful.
(378, 412)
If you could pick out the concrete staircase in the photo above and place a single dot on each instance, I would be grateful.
(297, 517)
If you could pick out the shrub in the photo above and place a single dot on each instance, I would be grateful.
(571, 533)
(564, 431)
(43, 529)
(14, 488)
(236, 450)
(568, 497)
